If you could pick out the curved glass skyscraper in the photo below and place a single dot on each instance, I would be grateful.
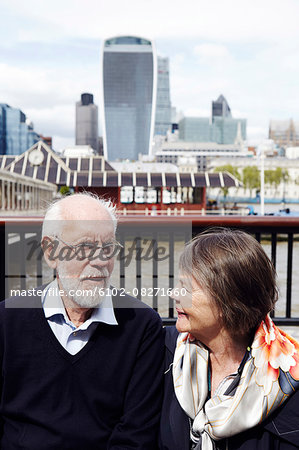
(129, 96)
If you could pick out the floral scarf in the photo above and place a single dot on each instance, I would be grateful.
(269, 376)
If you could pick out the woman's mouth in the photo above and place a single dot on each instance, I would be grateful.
(181, 313)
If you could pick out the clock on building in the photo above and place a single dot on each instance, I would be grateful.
(36, 157)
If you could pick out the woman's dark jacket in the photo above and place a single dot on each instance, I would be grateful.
(279, 431)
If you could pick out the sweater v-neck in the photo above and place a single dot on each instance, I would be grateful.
(47, 332)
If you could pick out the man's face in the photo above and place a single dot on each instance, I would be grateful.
(85, 279)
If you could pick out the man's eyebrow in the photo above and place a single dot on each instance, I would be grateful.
(81, 240)
(95, 241)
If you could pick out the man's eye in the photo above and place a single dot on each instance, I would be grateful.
(107, 249)
(86, 246)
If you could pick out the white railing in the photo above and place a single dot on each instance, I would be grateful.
(184, 212)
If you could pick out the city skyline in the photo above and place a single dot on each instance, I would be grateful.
(50, 54)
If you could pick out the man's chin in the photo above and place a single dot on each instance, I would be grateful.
(100, 285)
(87, 302)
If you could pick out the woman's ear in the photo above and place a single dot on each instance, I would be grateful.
(49, 247)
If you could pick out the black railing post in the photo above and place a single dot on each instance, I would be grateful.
(171, 272)
(289, 274)
(273, 248)
(155, 271)
(273, 258)
(2, 262)
(138, 265)
(122, 261)
(22, 261)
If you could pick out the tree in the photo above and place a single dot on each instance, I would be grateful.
(277, 176)
(230, 169)
(251, 178)
(64, 190)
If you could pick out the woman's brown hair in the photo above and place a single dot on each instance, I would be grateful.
(233, 268)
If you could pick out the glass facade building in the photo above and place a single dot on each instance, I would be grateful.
(222, 128)
(195, 129)
(16, 136)
(163, 104)
(129, 97)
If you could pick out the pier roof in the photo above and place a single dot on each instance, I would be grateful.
(40, 162)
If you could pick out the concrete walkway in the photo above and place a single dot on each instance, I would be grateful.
(292, 331)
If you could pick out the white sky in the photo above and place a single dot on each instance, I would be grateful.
(247, 51)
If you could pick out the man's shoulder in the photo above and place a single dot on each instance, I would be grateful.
(23, 299)
(126, 305)
(171, 335)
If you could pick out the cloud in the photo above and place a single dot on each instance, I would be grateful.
(211, 51)
(256, 134)
(248, 51)
(232, 20)
(197, 112)
(34, 87)
(47, 97)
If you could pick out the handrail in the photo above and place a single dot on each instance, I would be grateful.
(268, 226)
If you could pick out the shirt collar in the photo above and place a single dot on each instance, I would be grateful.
(53, 306)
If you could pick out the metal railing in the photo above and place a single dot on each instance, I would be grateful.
(148, 266)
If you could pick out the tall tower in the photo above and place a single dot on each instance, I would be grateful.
(87, 122)
(163, 106)
(220, 108)
(129, 96)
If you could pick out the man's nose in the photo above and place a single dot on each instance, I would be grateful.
(98, 260)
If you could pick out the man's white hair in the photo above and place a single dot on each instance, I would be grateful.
(54, 213)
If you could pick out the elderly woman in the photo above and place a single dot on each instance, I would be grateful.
(232, 376)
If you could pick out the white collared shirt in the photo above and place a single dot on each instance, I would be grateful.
(71, 338)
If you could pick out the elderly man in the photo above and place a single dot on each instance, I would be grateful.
(79, 371)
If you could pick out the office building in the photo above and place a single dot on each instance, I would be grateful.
(221, 128)
(224, 130)
(199, 152)
(16, 134)
(129, 81)
(163, 104)
(87, 122)
(220, 108)
(195, 129)
(285, 133)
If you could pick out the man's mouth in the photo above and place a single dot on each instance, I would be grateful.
(97, 278)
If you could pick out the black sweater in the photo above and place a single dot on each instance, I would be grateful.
(107, 396)
(280, 431)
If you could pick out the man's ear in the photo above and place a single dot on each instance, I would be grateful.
(49, 247)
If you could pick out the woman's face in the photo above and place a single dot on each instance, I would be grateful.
(197, 313)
